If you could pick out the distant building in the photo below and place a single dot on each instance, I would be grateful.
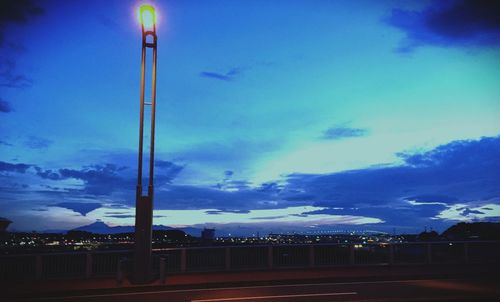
(208, 234)
(4, 224)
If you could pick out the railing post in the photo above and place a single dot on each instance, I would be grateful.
(391, 254)
(163, 272)
(429, 253)
(88, 265)
(120, 273)
(311, 256)
(38, 267)
(227, 258)
(270, 257)
(466, 252)
(351, 255)
(183, 260)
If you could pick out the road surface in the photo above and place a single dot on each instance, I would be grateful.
(395, 290)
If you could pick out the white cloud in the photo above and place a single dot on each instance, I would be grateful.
(184, 218)
(456, 212)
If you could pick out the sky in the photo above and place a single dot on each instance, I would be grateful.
(272, 116)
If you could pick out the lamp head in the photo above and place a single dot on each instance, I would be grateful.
(147, 17)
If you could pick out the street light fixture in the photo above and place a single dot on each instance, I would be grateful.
(147, 17)
(144, 203)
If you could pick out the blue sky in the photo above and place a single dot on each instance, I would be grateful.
(272, 115)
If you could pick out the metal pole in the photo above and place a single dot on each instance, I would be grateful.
(144, 204)
(153, 110)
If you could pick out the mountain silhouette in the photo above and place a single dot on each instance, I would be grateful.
(99, 227)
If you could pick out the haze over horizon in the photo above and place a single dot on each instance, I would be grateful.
(272, 116)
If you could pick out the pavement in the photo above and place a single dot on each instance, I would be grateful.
(292, 285)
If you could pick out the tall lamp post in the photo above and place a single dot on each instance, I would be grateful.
(144, 202)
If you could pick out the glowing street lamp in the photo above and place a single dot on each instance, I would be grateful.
(144, 203)
(147, 17)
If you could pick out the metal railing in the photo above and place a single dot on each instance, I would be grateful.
(252, 257)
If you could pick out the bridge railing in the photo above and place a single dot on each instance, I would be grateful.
(251, 257)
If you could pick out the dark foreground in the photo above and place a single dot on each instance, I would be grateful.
(445, 283)
(395, 290)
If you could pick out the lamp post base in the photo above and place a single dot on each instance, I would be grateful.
(143, 238)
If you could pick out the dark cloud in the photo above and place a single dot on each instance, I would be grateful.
(233, 185)
(457, 172)
(468, 23)
(433, 198)
(6, 143)
(17, 12)
(35, 142)
(217, 212)
(120, 216)
(9, 77)
(299, 197)
(228, 76)
(196, 197)
(108, 178)
(47, 174)
(98, 179)
(79, 207)
(414, 216)
(270, 187)
(5, 106)
(268, 217)
(467, 212)
(8, 167)
(13, 12)
(163, 164)
(337, 133)
(167, 171)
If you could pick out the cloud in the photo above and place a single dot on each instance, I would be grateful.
(168, 170)
(5, 106)
(461, 171)
(47, 174)
(13, 12)
(422, 191)
(8, 167)
(430, 198)
(467, 23)
(288, 217)
(105, 179)
(9, 77)
(18, 12)
(219, 212)
(97, 179)
(120, 216)
(233, 185)
(6, 143)
(468, 211)
(79, 207)
(228, 76)
(339, 132)
(417, 191)
(35, 142)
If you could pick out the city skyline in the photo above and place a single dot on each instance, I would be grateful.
(272, 116)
